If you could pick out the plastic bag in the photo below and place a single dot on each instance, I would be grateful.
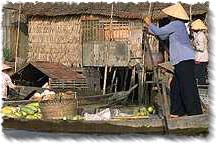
(103, 115)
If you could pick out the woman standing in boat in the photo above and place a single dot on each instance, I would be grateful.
(184, 96)
(200, 44)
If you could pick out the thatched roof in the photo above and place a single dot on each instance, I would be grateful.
(53, 70)
(122, 10)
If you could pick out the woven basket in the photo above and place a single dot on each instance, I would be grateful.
(69, 95)
(57, 109)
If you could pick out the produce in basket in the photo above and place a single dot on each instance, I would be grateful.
(8, 110)
(36, 97)
(74, 118)
(150, 109)
(29, 111)
(144, 111)
(45, 95)
(78, 117)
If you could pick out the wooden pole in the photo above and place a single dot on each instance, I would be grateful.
(17, 39)
(165, 102)
(106, 51)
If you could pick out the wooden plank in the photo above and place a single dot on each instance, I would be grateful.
(195, 121)
(94, 53)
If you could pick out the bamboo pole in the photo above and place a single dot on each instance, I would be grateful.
(191, 12)
(142, 74)
(17, 39)
(106, 53)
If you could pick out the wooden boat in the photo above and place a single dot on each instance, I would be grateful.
(188, 125)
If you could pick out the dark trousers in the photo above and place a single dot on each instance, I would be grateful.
(201, 73)
(184, 97)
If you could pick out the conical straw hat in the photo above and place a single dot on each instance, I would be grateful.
(167, 66)
(198, 25)
(176, 11)
(4, 67)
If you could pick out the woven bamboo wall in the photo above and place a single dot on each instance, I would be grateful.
(55, 39)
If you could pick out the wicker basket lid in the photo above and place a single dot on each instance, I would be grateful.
(176, 11)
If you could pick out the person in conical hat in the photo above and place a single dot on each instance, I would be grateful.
(7, 82)
(200, 44)
(5, 67)
(176, 11)
(184, 95)
(198, 25)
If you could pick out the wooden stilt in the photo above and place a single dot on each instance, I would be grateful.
(125, 79)
(132, 81)
(140, 88)
(105, 79)
(113, 78)
(106, 51)
(122, 81)
(116, 84)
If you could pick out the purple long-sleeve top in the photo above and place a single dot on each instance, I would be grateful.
(180, 47)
